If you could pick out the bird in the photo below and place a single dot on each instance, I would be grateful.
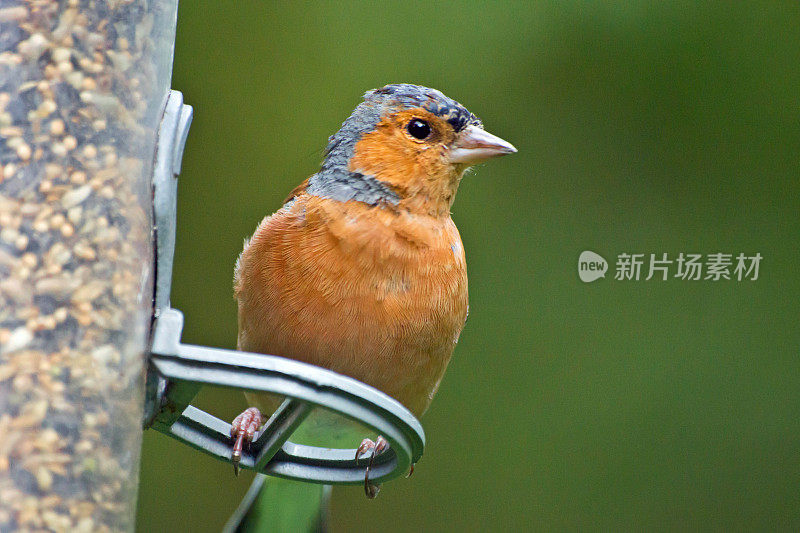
(362, 270)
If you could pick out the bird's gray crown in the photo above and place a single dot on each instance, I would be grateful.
(336, 181)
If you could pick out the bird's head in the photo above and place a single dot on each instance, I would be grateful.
(407, 146)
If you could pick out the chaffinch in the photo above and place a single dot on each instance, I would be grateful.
(362, 271)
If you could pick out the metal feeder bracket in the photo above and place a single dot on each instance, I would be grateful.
(176, 371)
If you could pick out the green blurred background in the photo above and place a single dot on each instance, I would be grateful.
(645, 127)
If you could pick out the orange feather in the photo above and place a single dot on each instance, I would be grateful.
(376, 294)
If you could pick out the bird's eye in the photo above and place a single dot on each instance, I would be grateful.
(419, 129)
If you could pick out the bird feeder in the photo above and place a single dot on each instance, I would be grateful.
(82, 91)
(91, 141)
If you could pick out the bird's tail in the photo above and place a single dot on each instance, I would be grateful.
(276, 504)
(281, 505)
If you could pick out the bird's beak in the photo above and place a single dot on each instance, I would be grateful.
(474, 144)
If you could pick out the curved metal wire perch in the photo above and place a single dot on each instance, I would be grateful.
(177, 371)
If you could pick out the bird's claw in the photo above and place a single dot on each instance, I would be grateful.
(377, 447)
(243, 429)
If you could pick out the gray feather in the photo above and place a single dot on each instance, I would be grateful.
(336, 181)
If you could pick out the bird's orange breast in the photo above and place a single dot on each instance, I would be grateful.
(371, 292)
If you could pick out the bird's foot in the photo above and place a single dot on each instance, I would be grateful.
(377, 447)
(243, 429)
